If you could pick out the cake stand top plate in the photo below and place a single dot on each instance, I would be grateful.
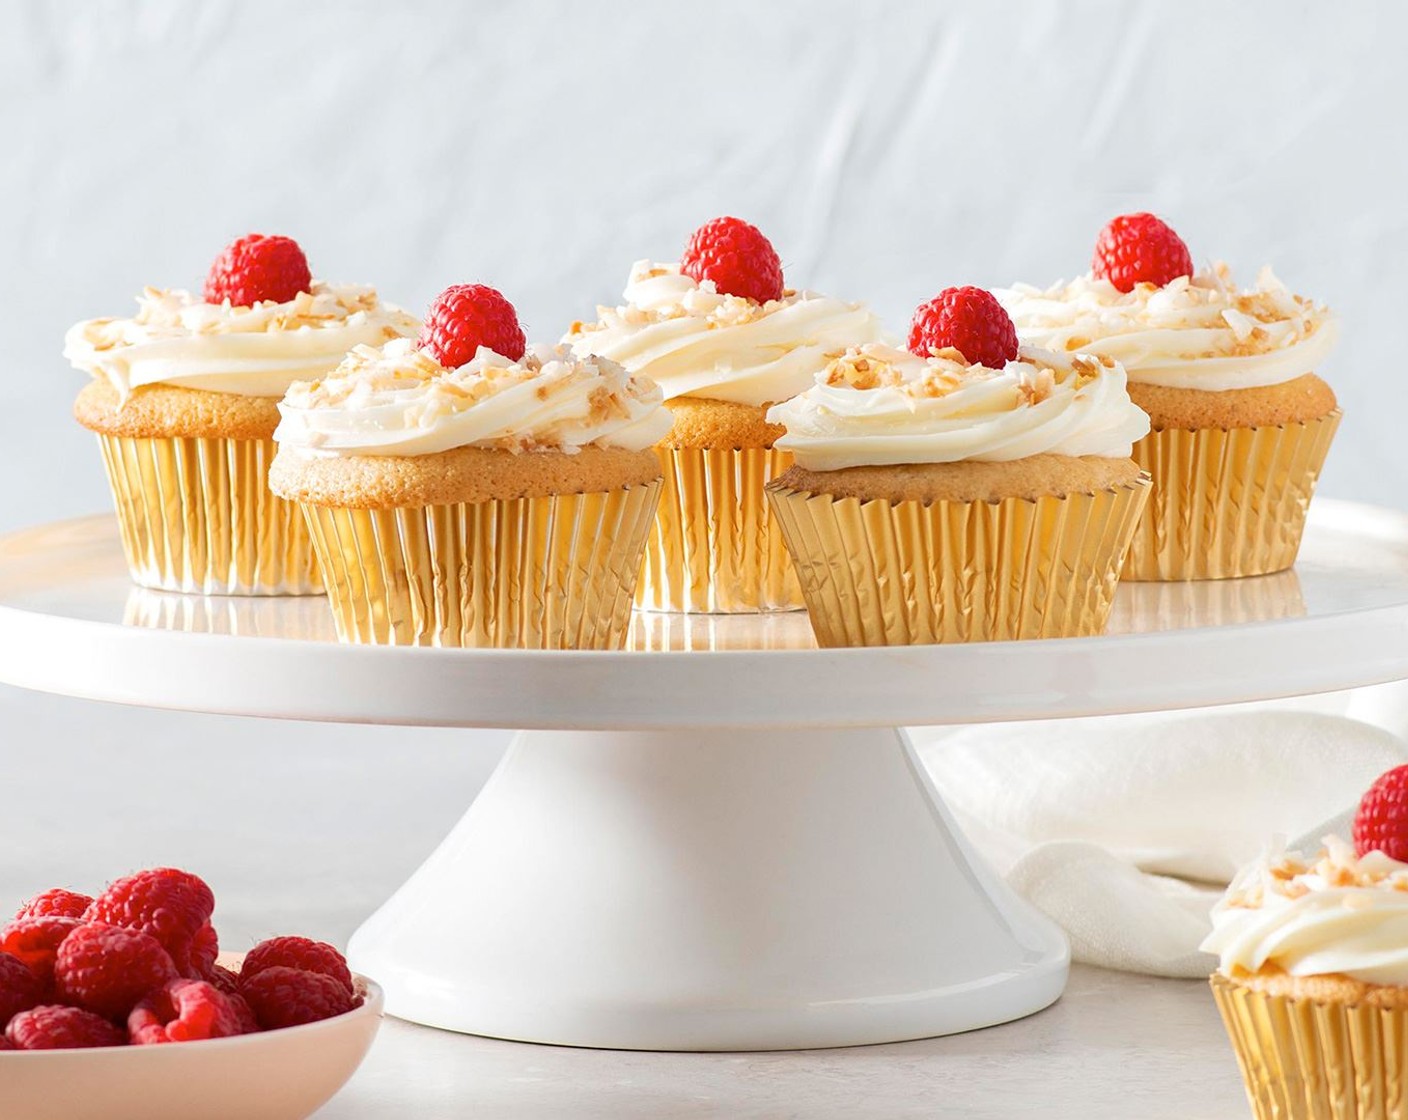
(71, 623)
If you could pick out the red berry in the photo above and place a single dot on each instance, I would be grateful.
(287, 997)
(36, 942)
(736, 257)
(57, 903)
(297, 952)
(227, 981)
(183, 1011)
(20, 989)
(1140, 249)
(465, 317)
(256, 268)
(199, 962)
(172, 906)
(248, 1023)
(1381, 823)
(61, 1028)
(970, 321)
(107, 969)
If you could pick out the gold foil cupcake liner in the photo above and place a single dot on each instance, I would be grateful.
(1303, 1060)
(197, 515)
(535, 573)
(715, 547)
(1227, 503)
(879, 573)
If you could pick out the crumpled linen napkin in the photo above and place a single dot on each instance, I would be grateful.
(1125, 829)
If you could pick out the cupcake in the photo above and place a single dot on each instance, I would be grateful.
(184, 401)
(1312, 976)
(724, 339)
(1241, 422)
(465, 490)
(965, 490)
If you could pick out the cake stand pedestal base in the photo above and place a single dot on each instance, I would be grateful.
(709, 890)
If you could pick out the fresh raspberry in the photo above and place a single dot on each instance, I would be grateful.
(61, 1028)
(736, 257)
(1381, 823)
(36, 942)
(248, 1023)
(227, 981)
(255, 268)
(297, 952)
(183, 1011)
(195, 959)
(465, 317)
(106, 969)
(970, 321)
(57, 903)
(1140, 249)
(288, 997)
(20, 989)
(172, 906)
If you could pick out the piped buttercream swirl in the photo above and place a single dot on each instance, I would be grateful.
(1199, 332)
(258, 351)
(1335, 913)
(693, 341)
(879, 406)
(398, 400)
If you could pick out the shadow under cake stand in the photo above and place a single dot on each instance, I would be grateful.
(717, 839)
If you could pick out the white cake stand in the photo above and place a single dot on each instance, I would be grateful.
(718, 839)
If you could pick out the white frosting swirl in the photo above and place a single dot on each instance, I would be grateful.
(259, 351)
(1336, 914)
(1193, 333)
(692, 341)
(878, 406)
(397, 400)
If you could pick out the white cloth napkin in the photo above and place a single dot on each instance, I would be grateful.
(1125, 829)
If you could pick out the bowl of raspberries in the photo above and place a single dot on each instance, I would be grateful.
(121, 1005)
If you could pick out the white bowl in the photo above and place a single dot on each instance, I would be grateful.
(285, 1074)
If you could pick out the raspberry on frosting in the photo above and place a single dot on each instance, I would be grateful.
(736, 257)
(465, 317)
(1381, 821)
(1140, 249)
(969, 320)
(258, 269)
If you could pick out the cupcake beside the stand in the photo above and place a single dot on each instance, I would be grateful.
(184, 401)
(1241, 420)
(724, 338)
(964, 490)
(467, 490)
(1312, 977)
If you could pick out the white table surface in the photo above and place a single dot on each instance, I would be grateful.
(305, 828)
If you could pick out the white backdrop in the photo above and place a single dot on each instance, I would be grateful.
(888, 149)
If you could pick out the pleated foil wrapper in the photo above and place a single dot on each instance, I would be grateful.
(197, 516)
(531, 573)
(715, 547)
(1303, 1060)
(1227, 503)
(878, 573)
